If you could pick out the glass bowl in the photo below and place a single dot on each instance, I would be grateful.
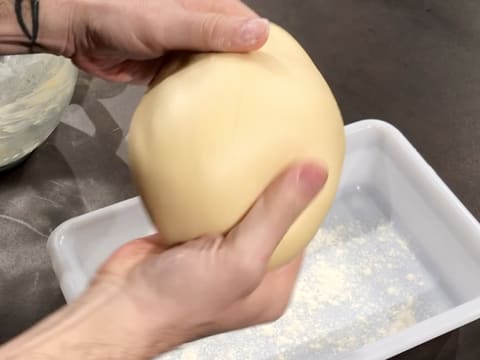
(34, 92)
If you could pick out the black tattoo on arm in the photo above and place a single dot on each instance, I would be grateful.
(19, 26)
(32, 33)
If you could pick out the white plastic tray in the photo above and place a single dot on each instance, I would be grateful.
(396, 263)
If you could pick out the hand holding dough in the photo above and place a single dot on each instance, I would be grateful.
(216, 129)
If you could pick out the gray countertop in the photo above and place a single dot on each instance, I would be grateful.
(412, 63)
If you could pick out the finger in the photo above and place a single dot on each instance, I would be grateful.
(125, 71)
(278, 285)
(216, 32)
(266, 303)
(226, 7)
(257, 236)
(232, 7)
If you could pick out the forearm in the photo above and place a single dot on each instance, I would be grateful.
(53, 30)
(99, 326)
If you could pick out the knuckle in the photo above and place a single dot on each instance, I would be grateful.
(212, 31)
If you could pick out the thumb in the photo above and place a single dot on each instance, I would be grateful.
(217, 32)
(275, 211)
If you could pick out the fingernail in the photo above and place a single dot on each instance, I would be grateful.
(253, 30)
(311, 178)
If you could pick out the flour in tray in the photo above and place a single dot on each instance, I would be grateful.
(357, 286)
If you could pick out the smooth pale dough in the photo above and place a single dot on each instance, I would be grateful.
(215, 129)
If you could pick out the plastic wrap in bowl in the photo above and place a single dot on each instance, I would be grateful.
(34, 91)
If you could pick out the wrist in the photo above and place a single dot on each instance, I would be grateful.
(12, 39)
(102, 324)
(55, 26)
(125, 329)
(54, 18)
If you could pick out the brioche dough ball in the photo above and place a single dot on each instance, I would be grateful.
(215, 129)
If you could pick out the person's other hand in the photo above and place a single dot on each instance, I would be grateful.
(147, 299)
(215, 283)
(218, 283)
(122, 40)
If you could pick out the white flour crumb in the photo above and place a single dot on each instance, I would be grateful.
(189, 354)
(393, 290)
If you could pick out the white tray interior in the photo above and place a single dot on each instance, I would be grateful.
(394, 264)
